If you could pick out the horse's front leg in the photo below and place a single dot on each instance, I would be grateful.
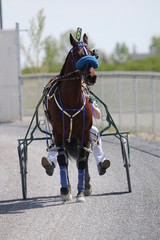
(63, 165)
(88, 188)
(81, 165)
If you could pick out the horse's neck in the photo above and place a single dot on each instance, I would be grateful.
(71, 93)
(71, 90)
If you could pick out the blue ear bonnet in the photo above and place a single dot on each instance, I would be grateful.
(87, 60)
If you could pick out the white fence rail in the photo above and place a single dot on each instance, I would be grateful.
(133, 98)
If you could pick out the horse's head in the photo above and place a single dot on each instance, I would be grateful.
(84, 59)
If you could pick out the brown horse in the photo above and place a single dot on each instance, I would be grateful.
(71, 116)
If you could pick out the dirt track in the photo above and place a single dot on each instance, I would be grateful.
(110, 213)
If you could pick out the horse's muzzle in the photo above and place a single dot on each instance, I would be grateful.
(91, 79)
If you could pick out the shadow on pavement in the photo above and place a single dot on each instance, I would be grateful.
(15, 206)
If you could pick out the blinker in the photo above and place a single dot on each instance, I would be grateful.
(95, 53)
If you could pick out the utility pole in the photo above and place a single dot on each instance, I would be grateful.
(1, 25)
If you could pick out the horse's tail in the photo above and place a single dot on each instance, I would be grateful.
(72, 148)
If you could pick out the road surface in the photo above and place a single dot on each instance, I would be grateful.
(110, 213)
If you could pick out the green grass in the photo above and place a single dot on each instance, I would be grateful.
(148, 64)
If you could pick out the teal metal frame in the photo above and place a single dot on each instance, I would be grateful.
(23, 145)
(122, 136)
(29, 138)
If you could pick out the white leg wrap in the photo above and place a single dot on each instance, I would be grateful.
(52, 156)
(97, 148)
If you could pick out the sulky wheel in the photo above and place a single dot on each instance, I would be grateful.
(124, 147)
(22, 151)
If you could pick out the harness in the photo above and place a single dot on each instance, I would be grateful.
(84, 61)
(60, 106)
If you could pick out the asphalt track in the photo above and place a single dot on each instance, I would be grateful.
(110, 213)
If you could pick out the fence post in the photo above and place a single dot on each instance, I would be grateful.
(153, 107)
(102, 95)
(120, 102)
(19, 72)
(135, 104)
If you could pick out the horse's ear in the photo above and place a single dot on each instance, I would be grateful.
(72, 40)
(85, 39)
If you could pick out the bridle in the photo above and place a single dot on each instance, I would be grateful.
(80, 44)
(85, 61)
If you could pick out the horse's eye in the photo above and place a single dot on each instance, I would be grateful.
(95, 53)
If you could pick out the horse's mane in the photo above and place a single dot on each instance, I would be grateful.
(64, 65)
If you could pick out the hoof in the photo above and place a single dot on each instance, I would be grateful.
(67, 197)
(65, 194)
(88, 191)
(80, 197)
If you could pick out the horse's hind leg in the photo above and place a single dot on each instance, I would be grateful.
(81, 165)
(63, 165)
(88, 189)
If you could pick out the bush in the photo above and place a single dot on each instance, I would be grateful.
(147, 64)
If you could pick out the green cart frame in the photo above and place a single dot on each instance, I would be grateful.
(30, 137)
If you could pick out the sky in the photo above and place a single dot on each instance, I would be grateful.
(106, 22)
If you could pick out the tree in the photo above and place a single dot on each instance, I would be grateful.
(50, 53)
(155, 45)
(64, 44)
(33, 52)
(102, 56)
(46, 54)
(120, 54)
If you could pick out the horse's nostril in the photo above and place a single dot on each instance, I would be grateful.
(91, 79)
(95, 77)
